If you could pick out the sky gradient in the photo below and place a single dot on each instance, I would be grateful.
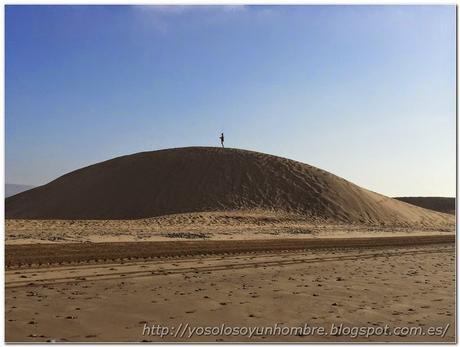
(365, 92)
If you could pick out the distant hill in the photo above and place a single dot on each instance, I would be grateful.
(446, 205)
(198, 179)
(12, 189)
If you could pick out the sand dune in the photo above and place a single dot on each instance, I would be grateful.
(197, 179)
(13, 189)
(440, 204)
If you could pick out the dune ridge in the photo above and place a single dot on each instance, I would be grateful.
(199, 179)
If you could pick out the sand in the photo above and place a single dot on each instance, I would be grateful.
(70, 253)
(399, 286)
(201, 179)
(229, 225)
(440, 204)
(200, 237)
(76, 253)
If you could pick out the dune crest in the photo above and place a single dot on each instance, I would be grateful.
(198, 179)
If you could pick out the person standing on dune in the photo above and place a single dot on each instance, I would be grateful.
(222, 139)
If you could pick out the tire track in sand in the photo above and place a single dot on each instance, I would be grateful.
(92, 273)
(48, 254)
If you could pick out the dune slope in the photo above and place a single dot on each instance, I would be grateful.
(197, 179)
(440, 204)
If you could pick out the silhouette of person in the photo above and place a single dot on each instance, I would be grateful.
(222, 139)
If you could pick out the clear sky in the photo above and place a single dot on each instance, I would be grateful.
(365, 92)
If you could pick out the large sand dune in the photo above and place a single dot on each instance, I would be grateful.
(198, 179)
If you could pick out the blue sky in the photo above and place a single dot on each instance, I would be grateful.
(365, 92)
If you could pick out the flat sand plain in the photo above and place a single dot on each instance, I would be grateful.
(402, 286)
(224, 225)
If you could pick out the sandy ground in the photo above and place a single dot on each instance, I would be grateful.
(400, 286)
(49, 254)
(229, 225)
